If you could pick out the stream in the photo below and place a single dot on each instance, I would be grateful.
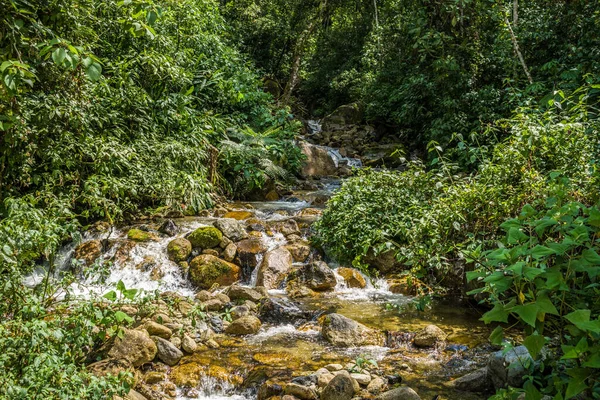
(285, 349)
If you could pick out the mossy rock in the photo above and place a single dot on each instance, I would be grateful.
(206, 270)
(206, 237)
(179, 249)
(138, 235)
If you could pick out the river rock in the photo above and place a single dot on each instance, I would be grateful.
(88, 252)
(167, 352)
(248, 251)
(169, 228)
(237, 292)
(247, 325)
(352, 277)
(401, 393)
(345, 332)
(268, 390)
(316, 276)
(139, 235)
(135, 346)
(205, 237)
(286, 227)
(318, 162)
(239, 312)
(376, 386)
(300, 391)
(232, 228)
(280, 310)
(362, 379)
(347, 114)
(508, 369)
(300, 250)
(429, 336)
(206, 270)
(188, 344)
(229, 252)
(156, 329)
(274, 268)
(340, 387)
(478, 381)
(179, 249)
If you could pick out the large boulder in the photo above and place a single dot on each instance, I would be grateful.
(232, 228)
(318, 162)
(167, 352)
(352, 277)
(140, 235)
(206, 270)
(280, 310)
(316, 276)
(88, 252)
(345, 332)
(429, 336)
(135, 346)
(400, 393)
(274, 268)
(339, 388)
(248, 251)
(300, 250)
(347, 114)
(247, 325)
(179, 249)
(508, 369)
(205, 237)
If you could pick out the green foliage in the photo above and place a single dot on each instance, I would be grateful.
(427, 217)
(544, 275)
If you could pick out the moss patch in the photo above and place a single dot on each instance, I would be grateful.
(206, 237)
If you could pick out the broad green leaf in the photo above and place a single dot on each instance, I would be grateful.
(497, 336)
(593, 361)
(511, 223)
(581, 319)
(516, 236)
(534, 344)
(542, 224)
(59, 55)
(496, 314)
(94, 71)
(545, 305)
(591, 256)
(541, 251)
(112, 296)
(527, 313)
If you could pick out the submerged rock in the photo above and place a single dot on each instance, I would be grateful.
(136, 346)
(179, 249)
(238, 215)
(236, 292)
(205, 237)
(429, 336)
(316, 276)
(248, 251)
(169, 228)
(274, 268)
(206, 270)
(244, 326)
(352, 277)
(232, 228)
(138, 235)
(278, 310)
(342, 331)
(88, 252)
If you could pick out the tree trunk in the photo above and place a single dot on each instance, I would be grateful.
(517, 50)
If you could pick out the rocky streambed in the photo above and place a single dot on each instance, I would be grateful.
(239, 306)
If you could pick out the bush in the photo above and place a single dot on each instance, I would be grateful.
(544, 275)
(428, 216)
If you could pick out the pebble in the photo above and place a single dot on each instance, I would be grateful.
(362, 379)
(334, 367)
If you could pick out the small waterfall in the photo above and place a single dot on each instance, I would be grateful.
(211, 388)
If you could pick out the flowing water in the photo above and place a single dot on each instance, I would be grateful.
(233, 370)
